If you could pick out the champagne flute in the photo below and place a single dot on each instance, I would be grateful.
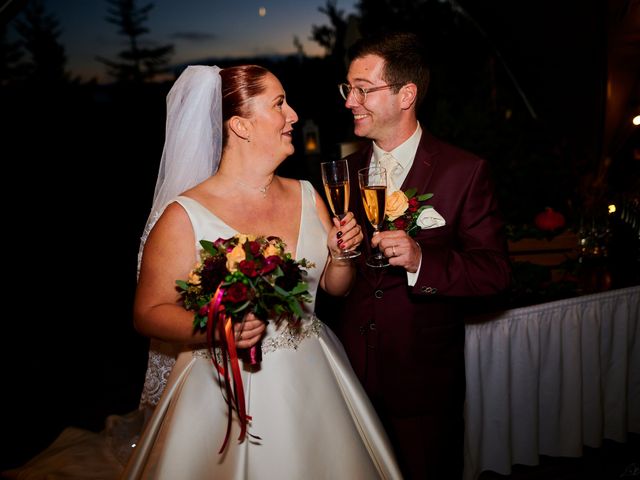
(335, 178)
(373, 188)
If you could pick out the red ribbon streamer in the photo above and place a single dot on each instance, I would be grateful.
(234, 391)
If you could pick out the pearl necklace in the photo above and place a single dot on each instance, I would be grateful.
(263, 189)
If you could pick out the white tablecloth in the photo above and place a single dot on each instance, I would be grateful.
(548, 379)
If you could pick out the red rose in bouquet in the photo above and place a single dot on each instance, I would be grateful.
(236, 276)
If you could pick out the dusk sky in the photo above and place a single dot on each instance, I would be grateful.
(197, 28)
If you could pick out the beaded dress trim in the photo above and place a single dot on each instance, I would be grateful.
(285, 337)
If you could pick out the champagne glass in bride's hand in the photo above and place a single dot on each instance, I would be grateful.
(373, 188)
(335, 178)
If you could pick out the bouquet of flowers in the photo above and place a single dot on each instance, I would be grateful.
(407, 211)
(235, 276)
(255, 275)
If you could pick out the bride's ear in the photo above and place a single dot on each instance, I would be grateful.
(240, 127)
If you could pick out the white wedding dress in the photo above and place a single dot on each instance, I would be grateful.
(312, 417)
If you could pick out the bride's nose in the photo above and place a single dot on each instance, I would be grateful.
(292, 116)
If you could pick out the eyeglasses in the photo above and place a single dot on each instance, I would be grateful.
(359, 93)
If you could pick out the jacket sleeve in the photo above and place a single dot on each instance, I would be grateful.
(467, 256)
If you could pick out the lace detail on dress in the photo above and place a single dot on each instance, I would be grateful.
(160, 363)
(285, 336)
(158, 369)
(153, 218)
(291, 337)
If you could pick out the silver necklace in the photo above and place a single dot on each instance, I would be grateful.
(263, 189)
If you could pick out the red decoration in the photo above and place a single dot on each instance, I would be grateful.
(549, 220)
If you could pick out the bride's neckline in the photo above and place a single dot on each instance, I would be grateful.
(235, 231)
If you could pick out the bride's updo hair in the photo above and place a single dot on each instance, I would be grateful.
(239, 85)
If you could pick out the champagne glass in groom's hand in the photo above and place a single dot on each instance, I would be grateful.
(373, 188)
(335, 178)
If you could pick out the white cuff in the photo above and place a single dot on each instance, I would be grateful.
(412, 278)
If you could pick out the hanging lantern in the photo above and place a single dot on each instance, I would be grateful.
(311, 135)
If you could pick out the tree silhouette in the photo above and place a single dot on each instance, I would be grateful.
(332, 37)
(11, 54)
(137, 64)
(39, 34)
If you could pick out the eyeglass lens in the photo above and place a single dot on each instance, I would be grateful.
(358, 93)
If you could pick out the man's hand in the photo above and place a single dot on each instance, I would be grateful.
(400, 248)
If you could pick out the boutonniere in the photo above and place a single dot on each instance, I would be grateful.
(408, 211)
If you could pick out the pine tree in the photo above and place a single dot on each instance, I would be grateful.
(39, 34)
(332, 38)
(10, 59)
(136, 63)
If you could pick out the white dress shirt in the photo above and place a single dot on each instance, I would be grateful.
(399, 160)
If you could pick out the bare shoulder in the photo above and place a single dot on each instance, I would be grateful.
(173, 223)
(290, 184)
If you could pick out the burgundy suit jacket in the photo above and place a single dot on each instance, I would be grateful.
(406, 343)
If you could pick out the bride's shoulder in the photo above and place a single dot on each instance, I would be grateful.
(174, 213)
(291, 185)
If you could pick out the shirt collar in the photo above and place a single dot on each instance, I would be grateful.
(403, 153)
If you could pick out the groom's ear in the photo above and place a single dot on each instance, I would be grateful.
(408, 94)
(239, 126)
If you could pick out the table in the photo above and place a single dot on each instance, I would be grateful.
(550, 378)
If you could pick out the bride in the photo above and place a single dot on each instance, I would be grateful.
(310, 418)
(227, 132)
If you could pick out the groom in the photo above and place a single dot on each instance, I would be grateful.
(401, 325)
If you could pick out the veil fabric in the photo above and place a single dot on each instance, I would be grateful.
(193, 138)
(191, 154)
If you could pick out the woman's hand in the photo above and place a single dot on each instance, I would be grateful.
(249, 331)
(345, 234)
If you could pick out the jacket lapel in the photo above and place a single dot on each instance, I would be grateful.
(423, 165)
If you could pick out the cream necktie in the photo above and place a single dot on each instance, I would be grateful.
(391, 165)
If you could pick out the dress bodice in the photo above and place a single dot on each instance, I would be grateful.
(311, 236)
(311, 245)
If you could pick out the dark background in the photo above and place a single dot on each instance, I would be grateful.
(541, 89)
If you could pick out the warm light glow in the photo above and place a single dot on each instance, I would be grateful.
(262, 11)
(311, 144)
(636, 120)
(311, 137)
(612, 208)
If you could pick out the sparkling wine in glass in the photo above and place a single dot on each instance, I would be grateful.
(335, 178)
(373, 188)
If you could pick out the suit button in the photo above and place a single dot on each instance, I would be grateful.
(372, 326)
(378, 293)
(434, 290)
(425, 289)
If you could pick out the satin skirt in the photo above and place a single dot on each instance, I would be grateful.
(310, 419)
